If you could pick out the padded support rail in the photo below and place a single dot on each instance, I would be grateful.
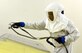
(23, 40)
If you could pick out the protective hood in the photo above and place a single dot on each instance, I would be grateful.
(60, 21)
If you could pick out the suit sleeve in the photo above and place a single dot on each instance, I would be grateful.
(35, 25)
(73, 33)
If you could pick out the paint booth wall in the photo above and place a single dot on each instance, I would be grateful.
(34, 10)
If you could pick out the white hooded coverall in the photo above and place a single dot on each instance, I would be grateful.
(61, 26)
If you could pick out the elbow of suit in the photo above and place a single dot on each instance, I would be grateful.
(72, 37)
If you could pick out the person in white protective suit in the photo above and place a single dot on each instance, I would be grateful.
(58, 26)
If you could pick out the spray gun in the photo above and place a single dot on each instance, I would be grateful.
(37, 38)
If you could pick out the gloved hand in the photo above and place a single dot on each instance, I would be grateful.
(61, 40)
(18, 24)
